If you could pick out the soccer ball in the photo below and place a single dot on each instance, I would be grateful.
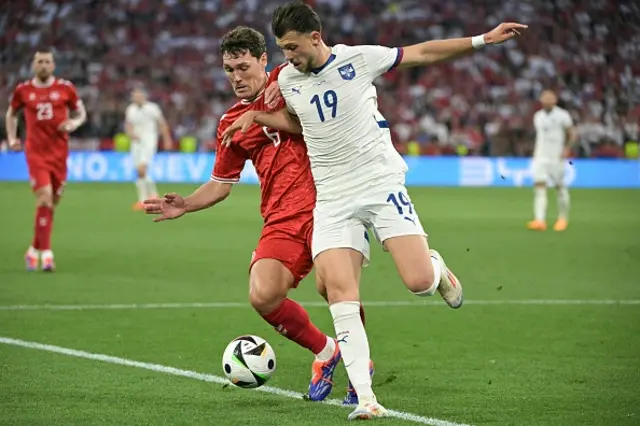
(249, 361)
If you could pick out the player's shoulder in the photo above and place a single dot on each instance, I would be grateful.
(288, 73)
(233, 113)
(24, 85)
(64, 83)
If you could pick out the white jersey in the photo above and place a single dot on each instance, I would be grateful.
(551, 133)
(348, 140)
(145, 121)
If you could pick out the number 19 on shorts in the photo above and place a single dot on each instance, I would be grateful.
(403, 205)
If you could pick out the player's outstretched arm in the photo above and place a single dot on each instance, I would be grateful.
(434, 51)
(174, 206)
(280, 120)
(11, 123)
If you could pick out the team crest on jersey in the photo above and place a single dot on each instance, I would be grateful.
(54, 96)
(32, 96)
(347, 72)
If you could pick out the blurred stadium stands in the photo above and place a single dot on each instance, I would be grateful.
(480, 105)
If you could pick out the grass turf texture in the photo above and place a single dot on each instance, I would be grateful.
(481, 365)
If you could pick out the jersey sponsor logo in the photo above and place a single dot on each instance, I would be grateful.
(347, 72)
(32, 96)
(296, 90)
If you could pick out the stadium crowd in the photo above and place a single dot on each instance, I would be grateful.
(480, 105)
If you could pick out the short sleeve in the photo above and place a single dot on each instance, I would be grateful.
(567, 120)
(381, 59)
(229, 161)
(157, 112)
(74, 100)
(16, 99)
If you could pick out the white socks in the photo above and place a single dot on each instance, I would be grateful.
(142, 189)
(152, 191)
(437, 272)
(563, 203)
(326, 353)
(540, 203)
(146, 188)
(354, 346)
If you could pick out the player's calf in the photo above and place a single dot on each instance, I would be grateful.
(418, 270)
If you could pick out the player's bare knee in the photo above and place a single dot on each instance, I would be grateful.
(141, 170)
(44, 197)
(269, 284)
(420, 279)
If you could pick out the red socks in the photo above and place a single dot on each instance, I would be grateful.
(293, 322)
(42, 228)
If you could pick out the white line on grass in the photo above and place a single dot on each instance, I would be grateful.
(227, 305)
(201, 376)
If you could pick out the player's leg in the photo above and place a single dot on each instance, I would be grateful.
(41, 245)
(540, 177)
(151, 148)
(340, 250)
(351, 397)
(397, 226)
(138, 158)
(278, 266)
(564, 200)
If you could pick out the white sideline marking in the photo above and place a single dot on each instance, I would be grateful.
(227, 305)
(202, 377)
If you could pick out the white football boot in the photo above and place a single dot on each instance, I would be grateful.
(368, 410)
(450, 287)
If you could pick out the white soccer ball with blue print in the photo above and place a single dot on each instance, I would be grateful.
(249, 361)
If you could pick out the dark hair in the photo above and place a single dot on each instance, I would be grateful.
(243, 39)
(294, 16)
(43, 49)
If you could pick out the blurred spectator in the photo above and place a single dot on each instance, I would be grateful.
(587, 51)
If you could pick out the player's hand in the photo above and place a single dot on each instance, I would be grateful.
(243, 123)
(67, 126)
(14, 144)
(503, 32)
(566, 153)
(272, 95)
(171, 206)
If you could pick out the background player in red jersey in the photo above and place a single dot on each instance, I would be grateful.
(283, 255)
(47, 102)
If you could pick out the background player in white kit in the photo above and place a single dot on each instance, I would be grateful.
(359, 176)
(555, 135)
(143, 122)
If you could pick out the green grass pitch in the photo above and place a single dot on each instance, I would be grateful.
(492, 363)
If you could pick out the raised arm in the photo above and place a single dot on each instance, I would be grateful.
(435, 51)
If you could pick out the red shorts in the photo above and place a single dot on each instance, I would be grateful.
(42, 176)
(292, 250)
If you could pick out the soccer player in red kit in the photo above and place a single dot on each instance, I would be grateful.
(52, 109)
(283, 255)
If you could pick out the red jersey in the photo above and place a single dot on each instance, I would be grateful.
(45, 106)
(281, 162)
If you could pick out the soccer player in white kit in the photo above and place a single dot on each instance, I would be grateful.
(359, 176)
(555, 134)
(143, 121)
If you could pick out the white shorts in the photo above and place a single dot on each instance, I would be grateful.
(548, 172)
(388, 213)
(143, 152)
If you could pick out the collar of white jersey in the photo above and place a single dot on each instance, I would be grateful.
(46, 84)
(331, 58)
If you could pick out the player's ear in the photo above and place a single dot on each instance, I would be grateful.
(316, 38)
(263, 60)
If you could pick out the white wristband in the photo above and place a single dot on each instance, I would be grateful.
(478, 41)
